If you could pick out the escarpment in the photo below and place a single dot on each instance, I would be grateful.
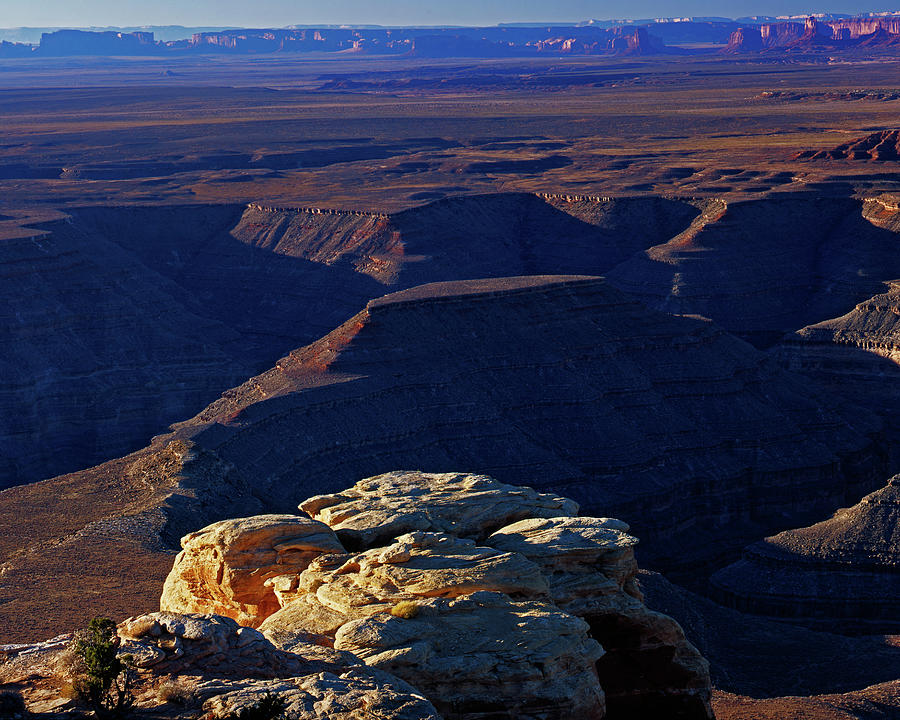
(842, 570)
(540, 619)
(561, 383)
(856, 354)
(123, 320)
(762, 269)
(118, 321)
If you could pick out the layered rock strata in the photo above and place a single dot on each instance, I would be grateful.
(562, 383)
(842, 572)
(570, 386)
(764, 268)
(856, 354)
(881, 146)
(118, 321)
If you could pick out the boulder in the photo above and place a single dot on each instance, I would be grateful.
(378, 509)
(486, 656)
(337, 588)
(223, 568)
(354, 694)
(213, 645)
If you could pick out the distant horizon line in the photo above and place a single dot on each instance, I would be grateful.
(620, 20)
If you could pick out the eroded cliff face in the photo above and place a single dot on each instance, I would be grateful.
(558, 382)
(881, 146)
(119, 321)
(761, 269)
(541, 619)
(562, 383)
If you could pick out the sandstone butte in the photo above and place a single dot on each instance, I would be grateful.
(538, 619)
(558, 382)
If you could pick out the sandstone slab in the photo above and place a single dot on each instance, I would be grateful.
(223, 568)
(484, 655)
(378, 509)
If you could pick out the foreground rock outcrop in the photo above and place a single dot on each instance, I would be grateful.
(842, 570)
(185, 663)
(539, 618)
(378, 509)
(224, 567)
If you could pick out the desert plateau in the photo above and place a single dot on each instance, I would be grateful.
(449, 366)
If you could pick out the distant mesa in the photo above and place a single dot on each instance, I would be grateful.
(82, 42)
(833, 34)
(413, 42)
(882, 146)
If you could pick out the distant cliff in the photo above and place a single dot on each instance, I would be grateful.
(424, 42)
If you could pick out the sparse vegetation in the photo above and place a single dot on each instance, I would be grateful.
(271, 706)
(100, 677)
(175, 692)
(406, 609)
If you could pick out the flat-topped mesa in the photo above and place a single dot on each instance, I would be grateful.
(839, 574)
(136, 316)
(224, 567)
(744, 40)
(471, 506)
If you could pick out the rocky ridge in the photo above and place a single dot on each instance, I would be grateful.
(468, 623)
(762, 269)
(843, 569)
(187, 662)
(881, 146)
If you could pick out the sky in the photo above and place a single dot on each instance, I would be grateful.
(277, 13)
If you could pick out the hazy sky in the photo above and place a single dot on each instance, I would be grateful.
(274, 13)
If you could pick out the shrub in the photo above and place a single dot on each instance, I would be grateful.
(100, 677)
(12, 705)
(406, 609)
(271, 706)
(174, 692)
